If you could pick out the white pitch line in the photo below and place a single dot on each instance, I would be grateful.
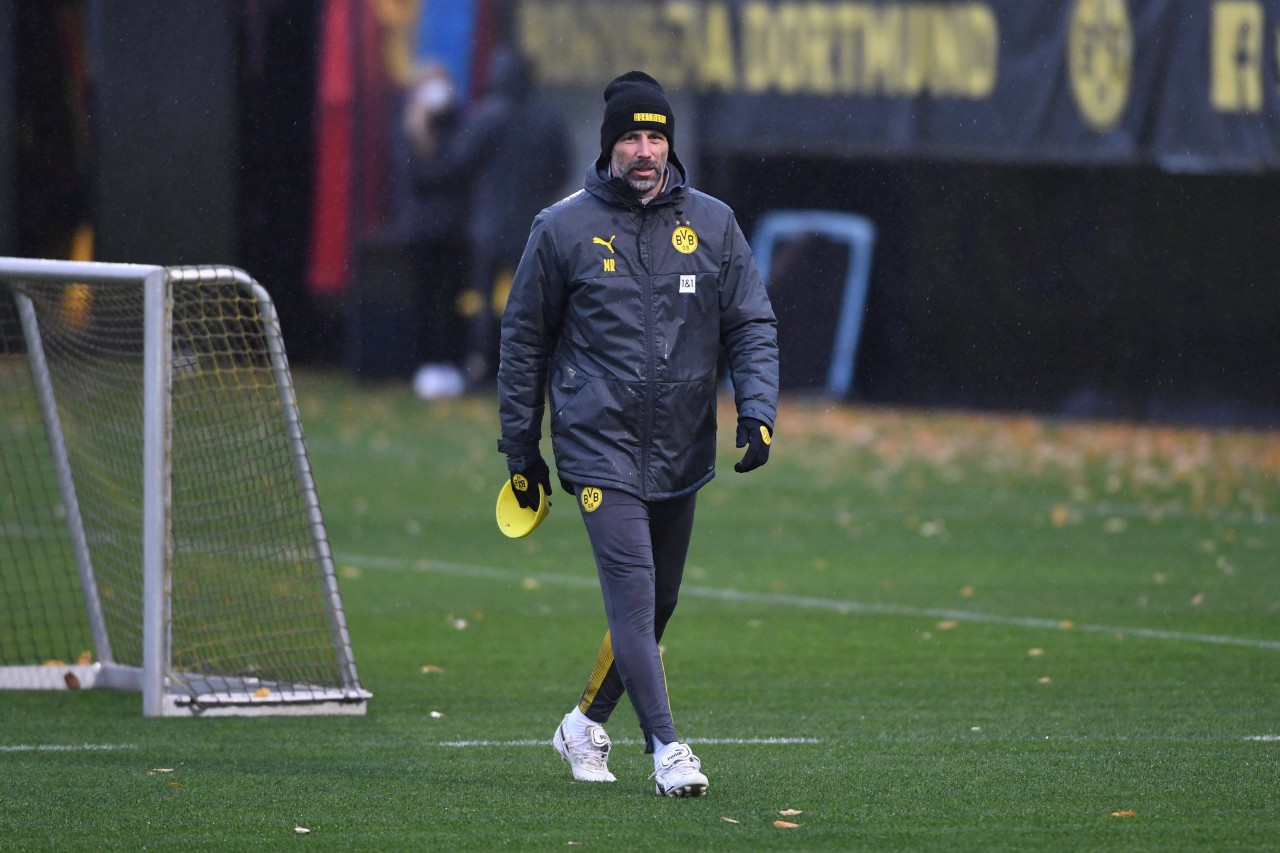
(709, 741)
(814, 603)
(64, 747)
(1264, 738)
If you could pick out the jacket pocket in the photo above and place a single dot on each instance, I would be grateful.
(566, 384)
(684, 435)
(596, 425)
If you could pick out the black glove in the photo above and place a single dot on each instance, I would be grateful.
(756, 437)
(527, 473)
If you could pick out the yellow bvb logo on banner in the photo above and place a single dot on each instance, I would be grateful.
(591, 498)
(1237, 81)
(1100, 61)
(685, 240)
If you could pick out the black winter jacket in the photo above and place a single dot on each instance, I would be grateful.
(622, 310)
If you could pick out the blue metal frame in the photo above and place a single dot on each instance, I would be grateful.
(860, 234)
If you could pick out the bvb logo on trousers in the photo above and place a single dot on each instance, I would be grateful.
(591, 498)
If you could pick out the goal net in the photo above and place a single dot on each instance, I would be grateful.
(159, 525)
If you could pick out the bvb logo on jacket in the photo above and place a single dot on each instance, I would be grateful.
(685, 240)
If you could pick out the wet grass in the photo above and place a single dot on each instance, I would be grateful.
(909, 631)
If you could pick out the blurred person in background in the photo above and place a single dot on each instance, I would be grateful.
(434, 216)
(626, 296)
(512, 154)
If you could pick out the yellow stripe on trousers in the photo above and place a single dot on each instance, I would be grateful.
(604, 660)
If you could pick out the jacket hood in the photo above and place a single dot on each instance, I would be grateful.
(614, 191)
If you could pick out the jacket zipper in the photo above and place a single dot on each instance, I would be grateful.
(650, 359)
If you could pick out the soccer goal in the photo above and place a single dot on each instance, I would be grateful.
(160, 529)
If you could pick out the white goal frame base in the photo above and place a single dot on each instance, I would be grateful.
(266, 699)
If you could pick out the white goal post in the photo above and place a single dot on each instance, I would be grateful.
(160, 529)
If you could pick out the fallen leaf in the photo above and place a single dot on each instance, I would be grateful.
(86, 658)
(1035, 653)
(175, 784)
(71, 680)
(727, 819)
(947, 625)
(785, 824)
(1044, 679)
(432, 669)
(262, 692)
(1060, 515)
(155, 770)
(1125, 813)
(790, 812)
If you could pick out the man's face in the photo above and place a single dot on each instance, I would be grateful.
(640, 159)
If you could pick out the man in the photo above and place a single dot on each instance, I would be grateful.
(627, 293)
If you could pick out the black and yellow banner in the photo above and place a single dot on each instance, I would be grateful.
(1185, 84)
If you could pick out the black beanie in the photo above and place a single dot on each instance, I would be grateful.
(635, 101)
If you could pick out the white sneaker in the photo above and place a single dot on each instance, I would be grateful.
(679, 773)
(588, 756)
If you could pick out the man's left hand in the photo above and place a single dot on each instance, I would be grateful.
(756, 437)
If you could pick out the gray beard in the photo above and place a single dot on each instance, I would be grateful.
(642, 186)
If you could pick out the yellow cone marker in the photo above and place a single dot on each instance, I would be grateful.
(516, 521)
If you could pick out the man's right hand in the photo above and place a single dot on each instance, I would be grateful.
(527, 473)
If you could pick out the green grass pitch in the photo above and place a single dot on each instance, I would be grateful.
(910, 631)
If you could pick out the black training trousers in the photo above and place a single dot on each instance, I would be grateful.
(640, 548)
